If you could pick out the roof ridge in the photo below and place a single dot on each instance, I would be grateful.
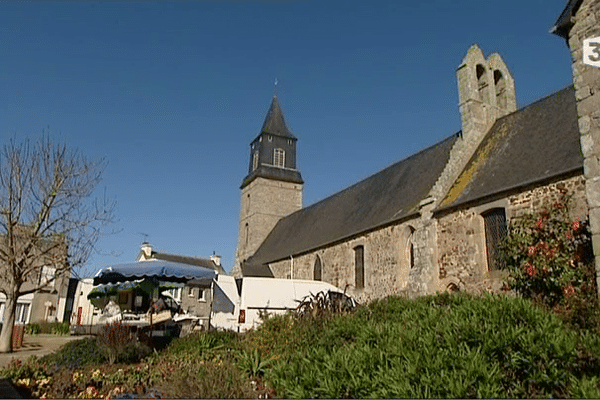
(183, 255)
(411, 156)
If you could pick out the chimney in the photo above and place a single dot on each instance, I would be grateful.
(146, 248)
(216, 259)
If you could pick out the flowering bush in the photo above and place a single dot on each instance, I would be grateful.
(29, 377)
(549, 258)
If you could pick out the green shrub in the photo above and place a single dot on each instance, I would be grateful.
(32, 328)
(53, 328)
(253, 363)
(60, 328)
(134, 352)
(86, 351)
(202, 345)
(451, 345)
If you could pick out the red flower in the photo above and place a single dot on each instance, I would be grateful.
(538, 224)
(531, 250)
(545, 268)
(568, 290)
(569, 235)
(529, 270)
(576, 225)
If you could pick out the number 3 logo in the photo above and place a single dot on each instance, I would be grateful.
(591, 51)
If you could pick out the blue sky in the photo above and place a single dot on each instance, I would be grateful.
(172, 93)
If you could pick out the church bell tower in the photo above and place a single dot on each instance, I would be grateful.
(273, 187)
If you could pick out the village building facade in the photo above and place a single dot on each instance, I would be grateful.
(433, 221)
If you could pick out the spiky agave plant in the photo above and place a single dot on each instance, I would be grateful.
(325, 303)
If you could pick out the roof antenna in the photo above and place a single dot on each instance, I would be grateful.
(275, 90)
(145, 235)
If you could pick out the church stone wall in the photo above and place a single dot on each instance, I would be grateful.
(386, 263)
(587, 91)
(462, 258)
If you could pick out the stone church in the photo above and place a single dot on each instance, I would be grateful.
(433, 221)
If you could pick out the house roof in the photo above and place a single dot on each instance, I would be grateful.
(534, 144)
(564, 22)
(197, 261)
(274, 121)
(399, 188)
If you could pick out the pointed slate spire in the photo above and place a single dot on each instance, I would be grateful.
(274, 122)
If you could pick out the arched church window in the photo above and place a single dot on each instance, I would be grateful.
(246, 233)
(494, 221)
(482, 83)
(359, 267)
(410, 248)
(500, 85)
(317, 270)
(279, 158)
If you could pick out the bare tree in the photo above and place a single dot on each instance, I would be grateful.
(48, 217)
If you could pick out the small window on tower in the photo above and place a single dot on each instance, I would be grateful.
(254, 160)
(279, 158)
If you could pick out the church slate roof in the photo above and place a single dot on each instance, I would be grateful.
(275, 173)
(534, 144)
(387, 196)
(274, 121)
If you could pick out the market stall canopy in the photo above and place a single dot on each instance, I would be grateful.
(157, 269)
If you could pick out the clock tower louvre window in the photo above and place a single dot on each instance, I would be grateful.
(254, 160)
(279, 158)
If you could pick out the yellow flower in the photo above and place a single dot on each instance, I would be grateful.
(96, 374)
(24, 382)
(92, 392)
(43, 381)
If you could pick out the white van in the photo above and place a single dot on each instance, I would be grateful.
(238, 302)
